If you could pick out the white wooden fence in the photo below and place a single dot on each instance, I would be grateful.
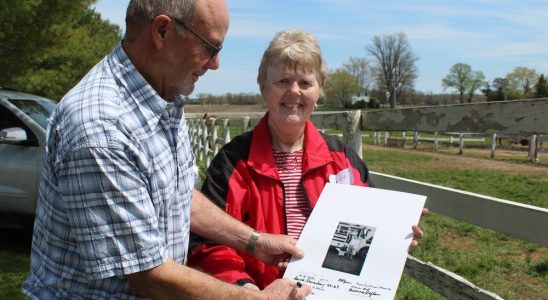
(535, 141)
(524, 117)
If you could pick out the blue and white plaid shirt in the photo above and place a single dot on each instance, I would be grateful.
(116, 186)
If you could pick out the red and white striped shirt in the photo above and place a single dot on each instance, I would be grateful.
(297, 208)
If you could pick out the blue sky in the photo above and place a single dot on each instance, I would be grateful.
(493, 36)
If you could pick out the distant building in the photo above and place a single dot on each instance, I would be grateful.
(361, 95)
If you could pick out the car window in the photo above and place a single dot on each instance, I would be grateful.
(38, 110)
(10, 120)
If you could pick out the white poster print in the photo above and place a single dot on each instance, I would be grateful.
(355, 242)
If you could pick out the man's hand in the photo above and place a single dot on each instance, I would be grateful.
(286, 289)
(417, 232)
(172, 280)
(276, 249)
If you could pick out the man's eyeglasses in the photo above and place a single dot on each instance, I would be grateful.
(212, 49)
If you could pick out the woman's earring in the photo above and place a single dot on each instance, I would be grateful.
(315, 106)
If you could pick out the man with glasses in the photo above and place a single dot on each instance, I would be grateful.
(116, 201)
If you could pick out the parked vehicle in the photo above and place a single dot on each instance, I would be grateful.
(345, 233)
(23, 121)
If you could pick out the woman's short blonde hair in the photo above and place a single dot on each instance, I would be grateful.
(294, 49)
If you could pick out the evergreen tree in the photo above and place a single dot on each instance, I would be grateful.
(541, 88)
(489, 93)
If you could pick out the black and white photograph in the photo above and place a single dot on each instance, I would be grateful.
(349, 247)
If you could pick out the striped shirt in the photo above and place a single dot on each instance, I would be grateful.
(116, 186)
(297, 208)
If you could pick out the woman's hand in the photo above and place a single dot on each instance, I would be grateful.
(417, 232)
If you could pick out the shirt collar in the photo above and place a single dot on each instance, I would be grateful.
(137, 91)
(261, 156)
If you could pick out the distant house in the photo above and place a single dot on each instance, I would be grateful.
(361, 95)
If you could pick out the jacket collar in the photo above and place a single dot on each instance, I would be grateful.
(261, 156)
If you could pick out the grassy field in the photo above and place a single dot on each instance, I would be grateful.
(509, 267)
(14, 262)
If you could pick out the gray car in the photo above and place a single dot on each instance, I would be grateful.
(23, 121)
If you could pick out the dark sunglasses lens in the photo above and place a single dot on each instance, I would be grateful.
(213, 51)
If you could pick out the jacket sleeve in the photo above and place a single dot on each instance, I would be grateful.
(220, 261)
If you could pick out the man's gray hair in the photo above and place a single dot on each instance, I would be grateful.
(143, 11)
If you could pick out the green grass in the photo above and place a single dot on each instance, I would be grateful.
(496, 262)
(14, 262)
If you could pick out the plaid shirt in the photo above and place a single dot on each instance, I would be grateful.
(116, 186)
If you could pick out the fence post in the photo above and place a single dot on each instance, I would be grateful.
(214, 142)
(192, 133)
(205, 143)
(532, 148)
(386, 135)
(226, 131)
(461, 143)
(245, 124)
(436, 141)
(416, 138)
(493, 145)
(209, 140)
(352, 134)
(199, 140)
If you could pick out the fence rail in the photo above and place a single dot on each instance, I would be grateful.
(524, 117)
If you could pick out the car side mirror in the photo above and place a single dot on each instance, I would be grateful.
(13, 135)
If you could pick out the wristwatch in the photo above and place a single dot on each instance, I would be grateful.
(252, 243)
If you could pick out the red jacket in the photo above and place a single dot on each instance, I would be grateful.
(243, 180)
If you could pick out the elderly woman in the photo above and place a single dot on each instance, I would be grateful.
(271, 178)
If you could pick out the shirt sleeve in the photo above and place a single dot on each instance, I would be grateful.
(110, 212)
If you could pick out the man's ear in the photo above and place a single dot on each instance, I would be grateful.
(160, 30)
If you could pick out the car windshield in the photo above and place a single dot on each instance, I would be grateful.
(38, 110)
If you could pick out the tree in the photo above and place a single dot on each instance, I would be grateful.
(360, 68)
(477, 80)
(501, 89)
(541, 87)
(488, 92)
(521, 81)
(395, 69)
(339, 86)
(46, 46)
(497, 90)
(464, 80)
(458, 77)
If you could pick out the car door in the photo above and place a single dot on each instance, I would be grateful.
(19, 163)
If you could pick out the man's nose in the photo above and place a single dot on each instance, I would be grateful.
(213, 63)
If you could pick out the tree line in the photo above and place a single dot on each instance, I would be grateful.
(521, 83)
(390, 75)
(46, 46)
